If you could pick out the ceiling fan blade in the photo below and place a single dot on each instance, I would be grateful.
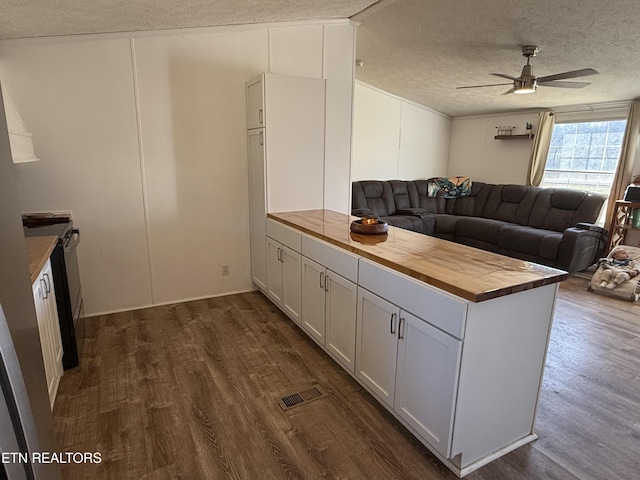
(504, 76)
(480, 86)
(554, 83)
(572, 74)
(509, 91)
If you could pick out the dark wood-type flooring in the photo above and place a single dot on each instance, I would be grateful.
(188, 391)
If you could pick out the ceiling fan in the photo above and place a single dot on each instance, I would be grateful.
(527, 82)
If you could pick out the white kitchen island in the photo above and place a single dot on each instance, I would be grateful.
(450, 339)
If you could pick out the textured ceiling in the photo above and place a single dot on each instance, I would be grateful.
(422, 50)
(37, 18)
(418, 49)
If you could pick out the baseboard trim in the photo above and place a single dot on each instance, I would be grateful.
(497, 454)
(171, 302)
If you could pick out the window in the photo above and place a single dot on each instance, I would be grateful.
(584, 155)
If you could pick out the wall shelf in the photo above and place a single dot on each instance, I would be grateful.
(514, 137)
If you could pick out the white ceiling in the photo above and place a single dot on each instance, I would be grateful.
(422, 50)
(418, 49)
(37, 18)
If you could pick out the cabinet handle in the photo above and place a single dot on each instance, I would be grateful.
(402, 322)
(326, 283)
(278, 254)
(260, 115)
(321, 280)
(45, 294)
(261, 138)
(47, 282)
(391, 324)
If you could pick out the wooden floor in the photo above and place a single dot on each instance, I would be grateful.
(189, 391)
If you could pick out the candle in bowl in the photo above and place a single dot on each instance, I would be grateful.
(368, 220)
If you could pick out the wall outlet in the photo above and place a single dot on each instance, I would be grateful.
(225, 270)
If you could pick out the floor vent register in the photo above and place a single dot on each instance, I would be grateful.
(301, 398)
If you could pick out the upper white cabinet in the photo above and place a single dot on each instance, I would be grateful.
(285, 142)
(291, 110)
(255, 103)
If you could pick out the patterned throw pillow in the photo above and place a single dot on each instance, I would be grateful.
(451, 187)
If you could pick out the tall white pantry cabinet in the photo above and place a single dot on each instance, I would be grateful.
(285, 139)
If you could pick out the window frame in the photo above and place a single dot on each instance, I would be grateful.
(617, 115)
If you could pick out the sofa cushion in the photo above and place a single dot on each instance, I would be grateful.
(533, 242)
(560, 208)
(511, 203)
(485, 230)
(425, 202)
(428, 224)
(473, 205)
(408, 222)
(445, 226)
(404, 194)
(374, 195)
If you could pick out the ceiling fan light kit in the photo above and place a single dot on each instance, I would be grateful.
(523, 89)
(527, 82)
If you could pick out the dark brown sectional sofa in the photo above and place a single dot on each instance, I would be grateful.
(550, 226)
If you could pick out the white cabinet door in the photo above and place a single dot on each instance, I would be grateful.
(295, 142)
(274, 271)
(426, 380)
(283, 278)
(291, 268)
(257, 207)
(52, 313)
(377, 344)
(340, 328)
(44, 329)
(49, 329)
(313, 299)
(255, 104)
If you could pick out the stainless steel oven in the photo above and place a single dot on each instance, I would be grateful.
(66, 276)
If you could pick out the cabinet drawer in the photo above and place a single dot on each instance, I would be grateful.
(435, 306)
(340, 261)
(283, 234)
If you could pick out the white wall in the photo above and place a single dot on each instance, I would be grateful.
(339, 64)
(144, 141)
(394, 138)
(77, 99)
(475, 153)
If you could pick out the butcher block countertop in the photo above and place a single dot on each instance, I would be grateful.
(466, 272)
(38, 251)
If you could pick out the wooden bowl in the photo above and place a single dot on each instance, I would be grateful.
(369, 229)
(368, 239)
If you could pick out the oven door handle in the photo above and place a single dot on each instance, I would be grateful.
(72, 240)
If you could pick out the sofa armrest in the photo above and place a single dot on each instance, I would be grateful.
(361, 212)
(418, 212)
(580, 248)
(591, 226)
